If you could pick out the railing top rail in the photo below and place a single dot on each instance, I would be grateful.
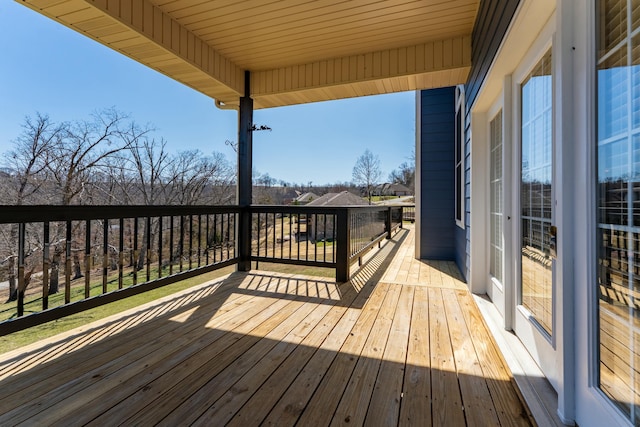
(323, 209)
(42, 213)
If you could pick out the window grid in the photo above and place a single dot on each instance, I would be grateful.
(497, 242)
(536, 192)
(618, 203)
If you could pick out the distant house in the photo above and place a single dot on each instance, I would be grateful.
(305, 198)
(388, 189)
(322, 227)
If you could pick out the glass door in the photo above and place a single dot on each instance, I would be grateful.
(536, 189)
(533, 319)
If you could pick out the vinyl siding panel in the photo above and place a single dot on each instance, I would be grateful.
(492, 22)
(437, 166)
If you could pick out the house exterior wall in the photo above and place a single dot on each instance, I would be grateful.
(436, 189)
(491, 25)
(595, 385)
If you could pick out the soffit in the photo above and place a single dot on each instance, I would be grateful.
(297, 51)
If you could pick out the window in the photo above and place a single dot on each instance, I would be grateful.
(496, 267)
(459, 143)
(618, 202)
(536, 292)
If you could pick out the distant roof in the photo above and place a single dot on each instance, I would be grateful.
(306, 197)
(399, 187)
(344, 198)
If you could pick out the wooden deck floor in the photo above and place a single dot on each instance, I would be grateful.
(403, 343)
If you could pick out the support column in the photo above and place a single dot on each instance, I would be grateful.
(245, 179)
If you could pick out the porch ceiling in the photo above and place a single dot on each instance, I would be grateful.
(297, 52)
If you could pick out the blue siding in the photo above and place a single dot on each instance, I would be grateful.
(437, 168)
(492, 22)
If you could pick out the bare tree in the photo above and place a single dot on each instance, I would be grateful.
(26, 166)
(366, 172)
(79, 154)
(85, 147)
(405, 175)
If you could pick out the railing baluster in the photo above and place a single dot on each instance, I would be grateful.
(148, 245)
(181, 243)
(160, 230)
(87, 259)
(67, 266)
(21, 279)
(46, 262)
(215, 237)
(170, 245)
(258, 227)
(227, 232)
(324, 253)
(135, 251)
(121, 253)
(206, 251)
(290, 234)
(199, 238)
(306, 228)
(298, 236)
(190, 240)
(105, 254)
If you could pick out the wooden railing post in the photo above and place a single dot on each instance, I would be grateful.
(388, 223)
(343, 246)
(245, 180)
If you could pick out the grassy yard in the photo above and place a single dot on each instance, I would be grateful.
(31, 335)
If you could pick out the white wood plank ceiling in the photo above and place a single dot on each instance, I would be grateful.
(297, 51)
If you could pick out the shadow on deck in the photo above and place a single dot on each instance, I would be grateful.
(401, 343)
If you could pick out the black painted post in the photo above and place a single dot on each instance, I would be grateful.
(245, 180)
(342, 251)
(388, 223)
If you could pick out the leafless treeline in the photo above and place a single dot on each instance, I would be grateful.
(107, 160)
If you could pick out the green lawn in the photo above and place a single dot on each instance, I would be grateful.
(31, 335)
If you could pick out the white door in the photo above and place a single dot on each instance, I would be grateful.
(495, 290)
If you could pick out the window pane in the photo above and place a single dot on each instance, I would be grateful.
(497, 245)
(618, 203)
(536, 192)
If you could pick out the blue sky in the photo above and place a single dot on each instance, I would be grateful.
(48, 68)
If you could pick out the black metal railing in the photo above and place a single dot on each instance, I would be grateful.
(60, 260)
(63, 260)
(302, 235)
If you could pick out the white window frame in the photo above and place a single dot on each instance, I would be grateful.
(459, 168)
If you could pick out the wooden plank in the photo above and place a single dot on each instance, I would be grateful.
(476, 398)
(353, 405)
(445, 394)
(182, 381)
(326, 398)
(415, 408)
(509, 407)
(293, 402)
(222, 302)
(219, 399)
(384, 406)
(265, 398)
(102, 395)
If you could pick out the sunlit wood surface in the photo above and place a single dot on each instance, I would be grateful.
(402, 343)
